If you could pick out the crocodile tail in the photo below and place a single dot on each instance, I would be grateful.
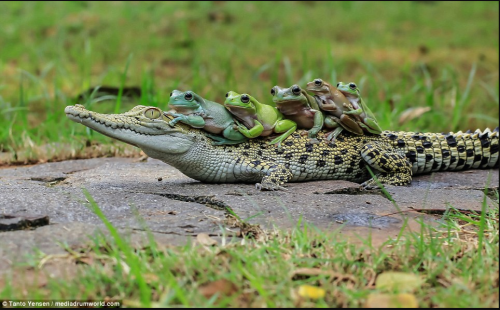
(429, 152)
(462, 151)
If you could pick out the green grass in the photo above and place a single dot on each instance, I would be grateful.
(457, 262)
(440, 55)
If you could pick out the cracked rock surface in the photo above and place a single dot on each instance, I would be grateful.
(176, 207)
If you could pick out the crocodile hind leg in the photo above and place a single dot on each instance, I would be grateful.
(391, 168)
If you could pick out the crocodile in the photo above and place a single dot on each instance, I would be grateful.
(393, 156)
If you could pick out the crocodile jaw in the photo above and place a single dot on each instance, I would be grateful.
(153, 141)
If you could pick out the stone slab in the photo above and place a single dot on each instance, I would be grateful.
(175, 207)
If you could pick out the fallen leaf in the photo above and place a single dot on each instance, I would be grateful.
(204, 239)
(399, 281)
(223, 287)
(404, 300)
(411, 113)
(308, 291)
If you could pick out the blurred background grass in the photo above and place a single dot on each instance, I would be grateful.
(421, 65)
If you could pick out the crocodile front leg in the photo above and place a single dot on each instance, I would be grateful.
(275, 175)
(391, 168)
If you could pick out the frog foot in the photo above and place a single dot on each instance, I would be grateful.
(333, 135)
(313, 141)
(173, 122)
(276, 144)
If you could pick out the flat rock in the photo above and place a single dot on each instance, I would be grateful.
(138, 195)
(468, 179)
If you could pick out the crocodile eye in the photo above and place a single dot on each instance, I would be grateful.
(188, 96)
(296, 90)
(352, 86)
(318, 82)
(245, 98)
(273, 92)
(152, 113)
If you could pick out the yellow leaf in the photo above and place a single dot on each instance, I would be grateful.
(312, 292)
(399, 281)
(391, 301)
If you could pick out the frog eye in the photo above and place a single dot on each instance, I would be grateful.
(152, 113)
(318, 82)
(245, 98)
(352, 86)
(296, 90)
(338, 84)
(188, 96)
(227, 95)
(273, 91)
(171, 94)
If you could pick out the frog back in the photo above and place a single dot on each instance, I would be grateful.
(217, 114)
(268, 115)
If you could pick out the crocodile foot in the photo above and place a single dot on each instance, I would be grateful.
(268, 186)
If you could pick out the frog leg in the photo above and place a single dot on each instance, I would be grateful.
(285, 125)
(330, 123)
(333, 135)
(329, 106)
(371, 126)
(391, 168)
(319, 119)
(191, 120)
(218, 140)
(350, 124)
(352, 111)
(368, 112)
(253, 132)
(231, 136)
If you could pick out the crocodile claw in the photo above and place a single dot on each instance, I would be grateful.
(269, 187)
(370, 185)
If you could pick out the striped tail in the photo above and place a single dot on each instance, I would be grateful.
(429, 152)
(473, 150)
